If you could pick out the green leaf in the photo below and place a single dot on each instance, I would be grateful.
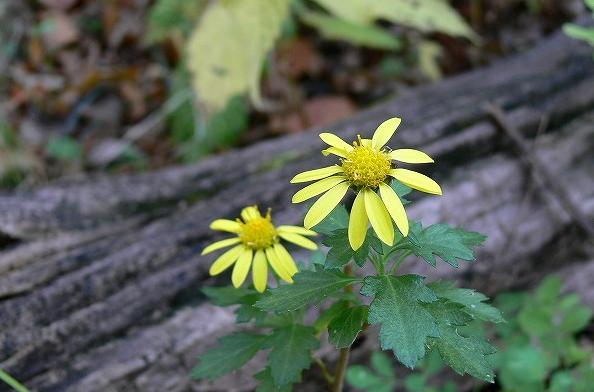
(336, 220)
(341, 253)
(227, 295)
(168, 17)
(397, 307)
(291, 352)
(401, 190)
(579, 32)
(64, 148)
(576, 320)
(267, 382)
(426, 15)
(344, 328)
(415, 382)
(444, 241)
(473, 302)
(310, 287)
(562, 381)
(382, 364)
(227, 49)
(232, 353)
(522, 366)
(358, 34)
(360, 377)
(329, 314)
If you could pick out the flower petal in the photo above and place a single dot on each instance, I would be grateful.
(226, 225)
(316, 188)
(395, 208)
(316, 174)
(408, 155)
(416, 181)
(260, 271)
(336, 151)
(335, 141)
(299, 240)
(277, 265)
(358, 222)
(325, 204)
(384, 132)
(379, 217)
(249, 213)
(226, 260)
(242, 267)
(286, 259)
(220, 244)
(295, 230)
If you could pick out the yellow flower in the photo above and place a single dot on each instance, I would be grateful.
(366, 167)
(257, 243)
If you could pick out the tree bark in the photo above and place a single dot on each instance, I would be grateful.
(99, 285)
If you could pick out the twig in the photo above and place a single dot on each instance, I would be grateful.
(545, 179)
(327, 376)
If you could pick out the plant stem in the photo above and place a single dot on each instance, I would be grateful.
(325, 372)
(343, 359)
(403, 256)
(8, 379)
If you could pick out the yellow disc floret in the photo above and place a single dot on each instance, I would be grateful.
(258, 232)
(365, 166)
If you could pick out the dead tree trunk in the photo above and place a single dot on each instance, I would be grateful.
(99, 285)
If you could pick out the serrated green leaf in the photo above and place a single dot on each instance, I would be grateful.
(310, 287)
(336, 220)
(344, 328)
(227, 49)
(358, 34)
(473, 301)
(576, 320)
(341, 252)
(398, 307)
(329, 314)
(401, 190)
(291, 352)
(232, 353)
(449, 243)
(426, 15)
(267, 382)
(227, 295)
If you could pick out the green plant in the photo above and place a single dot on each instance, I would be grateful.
(12, 382)
(16, 162)
(579, 32)
(415, 318)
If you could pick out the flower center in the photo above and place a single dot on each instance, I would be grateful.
(258, 233)
(366, 167)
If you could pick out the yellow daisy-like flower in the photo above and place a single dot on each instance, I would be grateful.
(256, 245)
(366, 166)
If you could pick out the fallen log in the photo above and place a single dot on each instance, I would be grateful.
(99, 288)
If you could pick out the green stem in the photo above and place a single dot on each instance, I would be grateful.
(399, 261)
(8, 379)
(327, 376)
(343, 359)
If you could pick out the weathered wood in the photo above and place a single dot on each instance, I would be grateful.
(98, 294)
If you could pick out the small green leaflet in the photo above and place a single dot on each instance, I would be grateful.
(343, 330)
(473, 301)
(329, 314)
(337, 219)
(309, 288)
(232, 353)
(291, 352)
(267, 383)
(444, 241)
(341, 253)
(398, 306)
(463, 354)
(382, 380)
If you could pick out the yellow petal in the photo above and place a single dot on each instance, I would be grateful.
(260, 271)
(277, 265)
(226, 225)
(220, 244)
(358, 222)
(416, 181)
(325, 204)
(336, 151)
(286, 259)
(384, 132)
(335, 141)
(249, 213)
(316, 174)
(408, 155)
(295, 230)
(395, 208)
(242, 267)
(316, 188)
(226, 260)
(379, 217)
(299, 240)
